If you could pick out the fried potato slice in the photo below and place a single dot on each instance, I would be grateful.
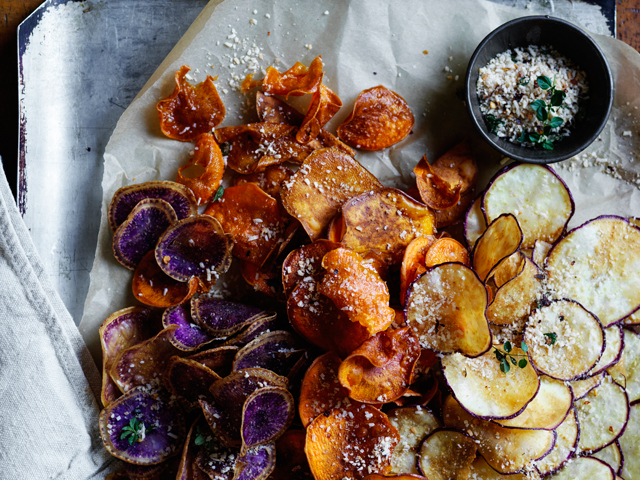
(413, 263)
(324, 182)
(565, 341)
(155, 288)
(305, 261)
(190, 111)
(386, 220)
(474, 222)
(380, 370)
(506, 450)
(316, 318)
(630, 444)
(481, 470)
(254, 219)
(271, 109)
(321, 390)
(446, 308)
(547, 410)
(582, 387)
(435, 192)
(324, 105)
(121, 330)
(350, 442)
(269, 180)
(614, 344)
(266, 415)
(515, 299)
(631, 366)
(277, 351)
(536, 196)
(611, 455)
(501, 238)
(447, 454)
(189, 379)
(598, 265)
(296, 81)
(585, 468)
(356, 288)
(189, 336)
(566, 443)
(263, 281)
(208, 164)
(413, 423)
(455, 214)
(484, 390)
(380, 118)
(446, 250)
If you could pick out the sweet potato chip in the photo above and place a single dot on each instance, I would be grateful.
(458, 166)
(273, 110)
(324, 182)
(254, 219)
(266, 282)
(296, 81)
(350, 442)
(386, 220)
(435, 192)
(455, 214)
(324, 105)
(206, 166)
(268, 180)
(189, 336)
(474, 223)
(380, 118)
(413, 423)
(277, 351)
(315, 318)
(356, 288)
(291, 457)
(446, 250)
(501, 238)
(121, 330)
(155, 288)
(380, 370)
(335, 230)
(413, 262)
(189, 112)
(305, 261)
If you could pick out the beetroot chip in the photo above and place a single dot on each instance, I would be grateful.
(195, 246)
(142, 428)
(221, 318)
(121, 330)
(125, 199)
(276, 351)
(189, 112)
(380, 118)
(266, 415)
(188, 336)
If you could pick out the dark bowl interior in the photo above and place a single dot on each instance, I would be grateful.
(570, 42)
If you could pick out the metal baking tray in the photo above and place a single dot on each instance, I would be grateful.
(80, 66)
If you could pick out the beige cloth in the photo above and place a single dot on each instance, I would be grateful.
(49, 385)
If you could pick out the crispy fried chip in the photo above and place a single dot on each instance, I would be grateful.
(273, 110)
(218, 359)
(291, 457)
(413, 262)
(435, 192)
(474, 223)
(349, 443)
(447, 454)
(276, 351)
(324, 182)
(305, 261)
(386, 220)
(446, 306)
(324, 105)
(413, 424)
(501, 238)
(268, 180)
(189, 112)
(315, 318)
(266, 415)
(380, 370)
(445, 250)
(380, 118)
(189, 379)
(566, 443)
(208, 166)
(262, 281)
(155, 288)
(254, 219)
(356, 288)
(189, 336)
(296, 81)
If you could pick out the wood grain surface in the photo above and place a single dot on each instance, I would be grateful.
(12, 12)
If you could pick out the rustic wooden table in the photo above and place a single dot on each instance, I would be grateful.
(12, 12)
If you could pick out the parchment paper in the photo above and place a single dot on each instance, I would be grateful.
(363, 43)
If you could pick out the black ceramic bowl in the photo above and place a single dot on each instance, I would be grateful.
(569, 41)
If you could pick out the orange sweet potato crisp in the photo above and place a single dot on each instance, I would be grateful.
(207, 158)
(298, 80)
(189, 112)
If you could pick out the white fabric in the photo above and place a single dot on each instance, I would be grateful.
(49, 385)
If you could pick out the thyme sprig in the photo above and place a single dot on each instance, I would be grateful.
(136, 431)
(505, 356)
(543, 111)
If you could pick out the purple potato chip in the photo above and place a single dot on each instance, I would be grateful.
(276, 351)
(266, 415)
(254, 330)
(188, 336)
(142, 427)
(189, 379)
(144, 363)
(195, 246)
(143, 472)
(125, 199)
(140, 232)
(221, 318)
(187, 465)
(226, 430)
(121, 330)
(256, 464)
(219, 359)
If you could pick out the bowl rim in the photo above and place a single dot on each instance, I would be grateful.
(471, 89)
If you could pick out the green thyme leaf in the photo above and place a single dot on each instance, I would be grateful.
(504, 366)
(493, 123)
(524, 81)
(555, 122)
(534, 137)
(199, 440)
(524, 136)
(513, 360)
(542, 114)
(507, 346)
(218, 194)
(535, 106)
(544, 82)
(547, 145)
(522, 363)
(524, 347)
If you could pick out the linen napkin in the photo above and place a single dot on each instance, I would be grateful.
(49, 385)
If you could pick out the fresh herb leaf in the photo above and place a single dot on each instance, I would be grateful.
(134, 431)
(524, 81)
(504, 366)
(538, 104)
(522, 363)
(524, 347)
(544, 82)
(493, 123)
(504, 357)
(218, 194)
(555, 122)
(524, 136)
(507, 346)
(547, 145)
(534, 137)
(551, 338)
(513, 360)
(199, 440)
(557, 97)
(542, 114)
